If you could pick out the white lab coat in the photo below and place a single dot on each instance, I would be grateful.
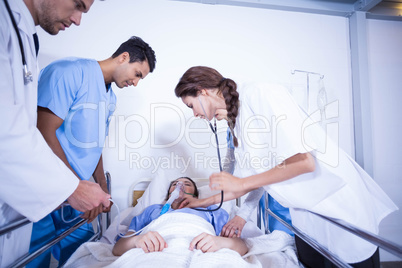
(33, 180)
(271, 128)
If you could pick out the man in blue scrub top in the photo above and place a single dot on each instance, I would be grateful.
(75, 104)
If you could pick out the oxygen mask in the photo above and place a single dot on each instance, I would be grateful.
(175, 196)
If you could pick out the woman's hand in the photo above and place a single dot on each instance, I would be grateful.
(234, 227)
(228, 183)
(149, 242)
(211, 243)
(189, 202)
(207, 243)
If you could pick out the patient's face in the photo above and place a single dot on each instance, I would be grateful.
(189, 187)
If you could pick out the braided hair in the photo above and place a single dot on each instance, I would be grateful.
(200, 77)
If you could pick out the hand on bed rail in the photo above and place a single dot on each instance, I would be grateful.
(87, 196)
(234, 227)
(90, 215)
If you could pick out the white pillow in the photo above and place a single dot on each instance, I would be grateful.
(154, 194)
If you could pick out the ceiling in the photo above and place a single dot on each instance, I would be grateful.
(386, 9)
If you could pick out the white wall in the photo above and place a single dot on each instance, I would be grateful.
(244, 44)
(385, 70)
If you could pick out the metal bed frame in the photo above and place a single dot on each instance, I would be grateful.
(385, 244)
(261, 211)
(21, 262)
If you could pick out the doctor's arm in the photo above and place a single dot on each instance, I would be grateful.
(238, 222)
(193, 202)
(293, 166)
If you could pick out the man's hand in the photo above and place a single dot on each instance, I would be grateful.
(88, 196)
(93, 213)
(90, 215)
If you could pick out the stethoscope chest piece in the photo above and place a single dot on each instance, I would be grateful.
(28, 77)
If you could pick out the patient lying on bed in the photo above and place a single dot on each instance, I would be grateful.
(183, 238)
(153, 241)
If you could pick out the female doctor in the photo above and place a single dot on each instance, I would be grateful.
(284, 151)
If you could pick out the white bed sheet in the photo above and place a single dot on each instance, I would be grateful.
(273, 250)
(178, 229)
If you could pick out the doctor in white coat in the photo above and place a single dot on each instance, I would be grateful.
(33, 180)
(295, 162)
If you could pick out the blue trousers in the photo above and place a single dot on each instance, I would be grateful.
(279, 210)
(51, 226)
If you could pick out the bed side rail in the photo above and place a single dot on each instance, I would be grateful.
(29, 257)
(18, 223)
(109, 188)
(21, 262)
(383, 243)
(368, 236)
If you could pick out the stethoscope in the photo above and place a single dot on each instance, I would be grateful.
(214, 130)
(27, 74)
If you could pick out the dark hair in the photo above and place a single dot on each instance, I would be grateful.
(195, 187)
(200, 77)
(138, 50)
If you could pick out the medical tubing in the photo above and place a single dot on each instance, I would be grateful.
(118, 223)
(62, 214)
(173, 196)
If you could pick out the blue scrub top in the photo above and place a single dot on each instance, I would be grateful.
(229, 139)
(217, 218)
(74, 90)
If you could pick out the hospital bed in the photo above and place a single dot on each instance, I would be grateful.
(276, 250)
(139, 197)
